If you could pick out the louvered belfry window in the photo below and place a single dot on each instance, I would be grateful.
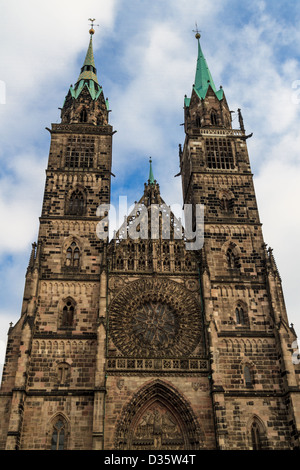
(80, 152)
(219, 154)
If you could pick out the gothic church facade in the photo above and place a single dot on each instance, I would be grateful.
(142, 344)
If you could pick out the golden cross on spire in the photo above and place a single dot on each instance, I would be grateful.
(92, 25)
(197, 35)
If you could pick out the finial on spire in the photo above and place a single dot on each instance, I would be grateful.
(92, 31)
(197, 35)
(151, 177)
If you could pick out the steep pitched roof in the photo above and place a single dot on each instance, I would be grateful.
(203, 77)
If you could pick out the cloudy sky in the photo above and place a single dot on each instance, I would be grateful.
(145, 53)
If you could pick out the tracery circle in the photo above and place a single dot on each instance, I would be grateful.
(155, 324)
(155, 318)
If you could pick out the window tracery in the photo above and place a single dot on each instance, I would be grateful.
(67, 317)
(73, 256)
(76, 203)
(58, 434)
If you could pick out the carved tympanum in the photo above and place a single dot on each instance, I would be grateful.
(157, 429)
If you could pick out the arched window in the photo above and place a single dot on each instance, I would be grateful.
(76, 204)
(188, 264)
(213, 118)
(226, 204)
(130, 264)
(83, 115)
(166, 248)
(141, 264)
(166, 265)
(177, 265)
(130, 248)
(73, 256)
(67, 318)
(248, 377)
(120, 264)
(258, 436)
(58, 435)
(255, 437)
(240, 315)
(198, 121)
(232, 259)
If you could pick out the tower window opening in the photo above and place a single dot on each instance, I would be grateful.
(68, 314)
(213, 118)
(226, 204)
(219, 154)
(256, 437)
(76, 205)
(248, 377)
(83, 115)
(232, 260)
(80, 153)
(73, 256)
(58, 435)
(198, 121)
(240, 315)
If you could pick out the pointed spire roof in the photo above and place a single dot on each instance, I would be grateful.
(151, 177)
(88, 75)
(88, 70)
(203, 77)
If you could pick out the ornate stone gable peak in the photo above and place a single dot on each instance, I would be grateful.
(150, 219)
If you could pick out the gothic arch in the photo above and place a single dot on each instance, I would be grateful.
(247, 371)
(226, 201)
(257, 434)
(232, 255)
(58, 431)
(75, 202)
(71, 253)
(158, 417)
(67, 309)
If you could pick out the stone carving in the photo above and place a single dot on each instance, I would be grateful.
(158, 417)
(157, 429)
(155, 324)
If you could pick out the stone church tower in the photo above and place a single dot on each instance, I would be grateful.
(139, 343)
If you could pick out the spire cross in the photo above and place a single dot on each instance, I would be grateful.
(197, 31)
(92, 25)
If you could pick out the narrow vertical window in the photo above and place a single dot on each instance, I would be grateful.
(76, 205)
(68, 314)
(72, 256)
(248, 377)
(58, 435)
(256, 437)
(226, 204)
(232, 260)
(240, 316)
(213, 118)
(83, 115)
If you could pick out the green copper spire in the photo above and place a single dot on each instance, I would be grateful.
(203, 78)
(88, 74)
(88, 71)
(151, 177)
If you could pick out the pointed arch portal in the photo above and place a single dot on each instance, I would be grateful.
(158, 418)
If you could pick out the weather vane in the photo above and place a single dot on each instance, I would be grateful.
(197, 35)
(92, 25)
